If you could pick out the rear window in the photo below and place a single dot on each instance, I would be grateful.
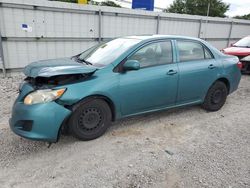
(189, 51)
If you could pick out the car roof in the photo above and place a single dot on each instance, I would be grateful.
(151, 37)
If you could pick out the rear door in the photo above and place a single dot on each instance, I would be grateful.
(154, 85)
(198, 70)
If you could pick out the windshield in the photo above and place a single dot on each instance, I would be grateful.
(105, 53)
(245, 42)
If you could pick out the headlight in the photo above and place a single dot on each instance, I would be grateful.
(43, 96)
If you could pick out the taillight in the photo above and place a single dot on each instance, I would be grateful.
(239, 65)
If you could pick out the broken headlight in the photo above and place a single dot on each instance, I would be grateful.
(43, 96)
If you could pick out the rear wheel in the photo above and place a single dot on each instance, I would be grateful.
(90, 119)
(216, 96)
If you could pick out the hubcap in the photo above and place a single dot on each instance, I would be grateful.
(90, 119)
(217, 96)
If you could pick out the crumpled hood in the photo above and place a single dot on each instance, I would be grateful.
(54, 67)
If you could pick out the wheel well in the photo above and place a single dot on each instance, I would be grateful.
(64, 128)
(106, 99)
(225, 81)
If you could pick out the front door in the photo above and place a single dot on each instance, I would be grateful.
(154, 85)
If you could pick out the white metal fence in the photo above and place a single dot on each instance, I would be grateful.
(56, 29)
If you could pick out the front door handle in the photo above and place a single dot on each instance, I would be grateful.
(211, 66)
(171, 72)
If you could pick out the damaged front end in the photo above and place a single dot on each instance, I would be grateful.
(36, 113)
(54, 81)
(56, 72)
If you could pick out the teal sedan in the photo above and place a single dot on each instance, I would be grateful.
(120, 78)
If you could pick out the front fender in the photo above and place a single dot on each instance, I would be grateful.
(106, 86)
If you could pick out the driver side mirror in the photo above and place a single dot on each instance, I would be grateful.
(131, 65)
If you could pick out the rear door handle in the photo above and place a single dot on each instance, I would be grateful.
(211, 66)
(171, 72)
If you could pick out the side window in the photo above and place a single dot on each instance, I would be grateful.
(189, 51)
(157, 53)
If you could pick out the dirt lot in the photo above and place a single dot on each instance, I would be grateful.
(185, 147)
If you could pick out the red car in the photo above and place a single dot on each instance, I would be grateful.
(241, 49)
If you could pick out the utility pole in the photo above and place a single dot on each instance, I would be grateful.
(208, 9)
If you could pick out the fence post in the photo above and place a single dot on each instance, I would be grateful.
(99, 25)
(230, 33)
(157, 24)
(2, 56)
(199, 34)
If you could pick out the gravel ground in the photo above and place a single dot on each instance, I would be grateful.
(185, 147)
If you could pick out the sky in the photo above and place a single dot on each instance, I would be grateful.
(237, 7)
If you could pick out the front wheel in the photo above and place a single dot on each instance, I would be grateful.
(216, 96)
(90, 119)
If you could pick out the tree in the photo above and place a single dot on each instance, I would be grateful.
(199, 7)
(109, 3)
(246, 17)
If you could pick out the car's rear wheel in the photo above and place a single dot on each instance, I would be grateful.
(216, 96)
(90, 119)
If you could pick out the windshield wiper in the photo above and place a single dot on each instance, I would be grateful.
(86, 62)
(77, 59)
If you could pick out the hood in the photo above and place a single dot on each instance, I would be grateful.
(55, 67)
(238, 51)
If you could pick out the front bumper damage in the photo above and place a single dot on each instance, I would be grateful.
(38, 121)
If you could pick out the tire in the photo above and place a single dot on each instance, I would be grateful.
(216, 96)
(90, 119)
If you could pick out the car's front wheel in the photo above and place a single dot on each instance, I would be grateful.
(216, 96)
(90, 119)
